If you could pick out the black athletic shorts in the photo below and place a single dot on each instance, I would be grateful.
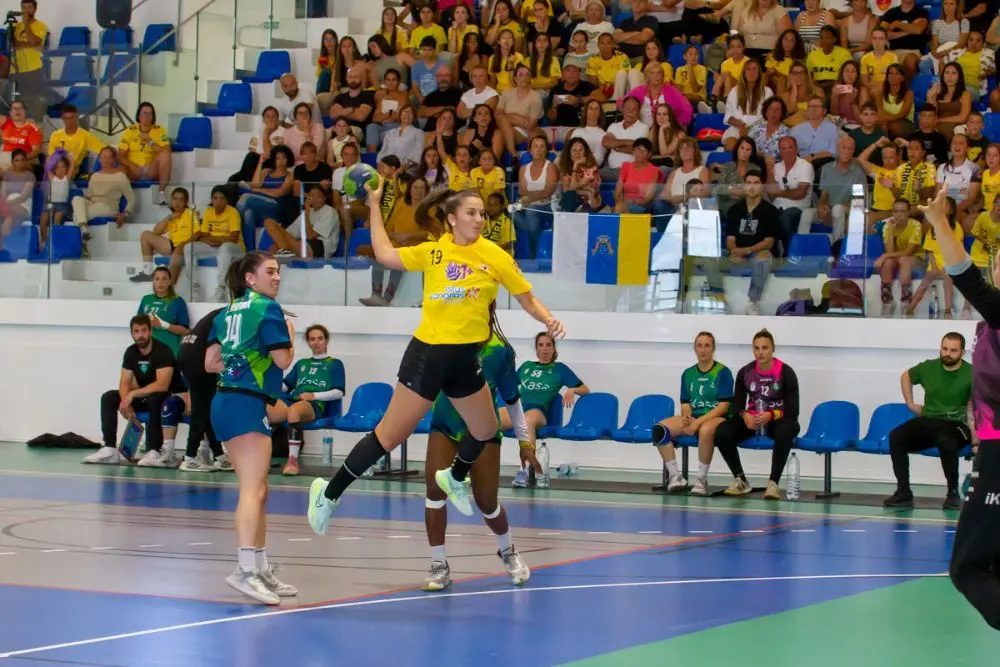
(430, 369)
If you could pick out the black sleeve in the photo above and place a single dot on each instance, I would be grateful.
(740, 392)
(731, 225)
(162, 357)
(790, 387)
(769, 222)
(980, 294)
(129, 358)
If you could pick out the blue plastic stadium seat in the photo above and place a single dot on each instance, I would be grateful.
(66, 243)
(921, 85)
(22, 241)
(991, 127)
(6, 257)
(718, 157)
(122, 67)
(371, 159)
(234, 98)
(158, 38)
(884, 419)
(119, 38)
(855, 267)
(83, 97)
(329, 419)
(808, 255)
(834, 425)
(368, 404)
(642, 414)
(595, 416)
(543, 261)
(675, 55)
(424, 427)
(271, 65)
(757, 442)
(194, 132)
(77, 68)
(359, 237)
(73, 39)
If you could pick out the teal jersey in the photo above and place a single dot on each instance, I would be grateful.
(312, 376)
(541, 383)
(248, 330)
(497, 360)
(704, 391)
(171, 309)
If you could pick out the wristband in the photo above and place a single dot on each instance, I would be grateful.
(525, 444)
(163, 323)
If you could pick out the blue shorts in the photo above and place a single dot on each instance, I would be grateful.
(235, 414)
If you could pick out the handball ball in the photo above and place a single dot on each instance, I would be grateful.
(356, 177)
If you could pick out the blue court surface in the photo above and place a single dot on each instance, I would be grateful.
(111, 571)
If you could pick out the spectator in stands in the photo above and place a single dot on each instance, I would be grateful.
(461, 26)
(144, 150)
(148, 377)
(594, 24)
(479, 92)
(318, 221)
(405, 141)
(915, 178)
(884, 177)
(580, 177)
(271, 190)
(57, 208)
(848, 95)
(311, 384)
(541, 382)
(790, 189)
(760, 22)
(482, 135)
(767, 133)
(943, 421)
(567, 100)
(428, 28)
(665, 134)
(751, 236)
(167, 311)
(350, 210)
(856, 29)
(423, 73)
(537, 183)
(498, 226)
(978, 64)
(991, 176)
(504, 61)
(311, 171)
(381, 60)
(817, 137)
(592, 129)
(654, 92)
(356, 105)
(105, 190)
(294, 96)
(765, 402)
(689, 170)
(19, 133)
(633, 33)
(963, 180)
(27, 72)
(636, 187)
(731, 68)
(706, 395)
(327, 59)
(868, 132)
(901, 237)
(692, 79)
(895, 104)
(907, 25)
(488, 177)
(77, 142)
(445, 97)
(544, 65)
(788, 50)
(304, 131)
(620, 138)
(17, 185)
(611, 71)
(979, 13)
(825, 62)
(986, 232)
(810, 22)
(340, 137)
(432, 170)
(800, 91)
(836, 187)
(472, 55)
(168, 238)
(743, 159)
(978, 143)
(519, 110)
(951, 99)
(875, 63)
(395, 35)
(445, 135)
(261, 144)
(935, 267)
(950, 30)
(745, 102)
(220, 235)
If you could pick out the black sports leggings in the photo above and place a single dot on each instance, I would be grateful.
(921, 433)
(975, 560)
(201, 389)
(733, 431)
(151, 404)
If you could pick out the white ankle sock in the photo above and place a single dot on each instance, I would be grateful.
(503, 541)
(703, 469)
(671, 467)
(168, 447)
(246, 557)
(293, 451)
(147, 267)
(439, 554)
(260, 560)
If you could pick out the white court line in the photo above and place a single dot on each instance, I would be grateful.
(397, 537)
(199, 544)
(903, 531)
(599, 532)
(701, 532)
(853, 530)
(751, 531)
(53, 551)
(650, 532)
(348, 538)
(442, 596)
(101, 548)
(8, 553)
(803, 530)
(300, 539)
(149, 546)
(547, 534)
(452, 535)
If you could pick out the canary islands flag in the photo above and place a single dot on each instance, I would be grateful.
(601, 248)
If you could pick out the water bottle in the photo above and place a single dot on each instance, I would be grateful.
(761, 408)
(543, 458)
(567, 469)
(792, 492)
(934, 307)
(327, 450)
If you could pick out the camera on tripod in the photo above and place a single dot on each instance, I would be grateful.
(13, 17)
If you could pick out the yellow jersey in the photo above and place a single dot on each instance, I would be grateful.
(458, 179)
(696, 88)
(460, 283)
(221, 225)
(29, 58)
(401, 40)
(882, 197)
(604, 71)
(437, 32)
(460, 39)
(545, 82)
(507, 67)
(826, 66)
(932, 248)
(984, 228)
(139, 148)
(732, 68)
(78, 145)
(528, 11)
(990, 188)
(874, 67)
(911, 180)
(972, 67)
(501, 231)
(488, 183)
(782, 67)
(181, 228)
(901, 239)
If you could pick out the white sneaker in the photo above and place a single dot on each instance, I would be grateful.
(700, 486)
(154, 458)
(438, 579)
(277, 586)
(515, 566)
(163, 199)
(739, 487)
(205, 456)
(753, 308)
(196, 465)
(320, 507)
(888, 309)
(223, 464)
(252, 585)
(677, 483)
(105, 455)
(704, 108)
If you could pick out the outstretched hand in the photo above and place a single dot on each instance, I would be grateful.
(555, 328)
(936, 210)
(375, 195)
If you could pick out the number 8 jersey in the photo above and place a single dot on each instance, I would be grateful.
(247, 331)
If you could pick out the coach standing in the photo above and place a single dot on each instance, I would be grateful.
(942, 421)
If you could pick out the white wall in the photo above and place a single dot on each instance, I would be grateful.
(57, 14)
(59, 356)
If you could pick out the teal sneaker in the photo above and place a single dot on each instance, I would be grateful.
(320, 507)
(459, 493)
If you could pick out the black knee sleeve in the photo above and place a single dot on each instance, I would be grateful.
(294, 432)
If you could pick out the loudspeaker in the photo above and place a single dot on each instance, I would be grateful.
(114, 13)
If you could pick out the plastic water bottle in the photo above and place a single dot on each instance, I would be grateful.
(705, 305)
(567, 469)
(934, 307)
(327, 450)
(792, 492)
(543, 458)
(761, 407)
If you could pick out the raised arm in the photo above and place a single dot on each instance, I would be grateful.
(385, 253)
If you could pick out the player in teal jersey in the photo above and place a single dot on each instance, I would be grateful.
(706, 394)
(249, 346)
(311, 383)
(447, 430)
(167, 310)
(541, 382)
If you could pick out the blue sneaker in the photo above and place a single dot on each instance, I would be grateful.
(520, 479)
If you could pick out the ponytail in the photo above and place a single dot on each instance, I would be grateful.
(236, 275)
(497, 331)
(437, 206)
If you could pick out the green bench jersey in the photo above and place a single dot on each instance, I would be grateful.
(703, 391)
(541, 383)
(171, 309)
(248, 330)
(313, 376)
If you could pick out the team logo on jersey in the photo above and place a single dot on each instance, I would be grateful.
(143, 366)
(457, 271)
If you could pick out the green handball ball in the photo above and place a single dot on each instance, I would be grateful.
(355, 179)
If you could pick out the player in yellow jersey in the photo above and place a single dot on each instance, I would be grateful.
(462, 274)
(168, 238)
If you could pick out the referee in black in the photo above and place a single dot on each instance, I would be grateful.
(201, 389)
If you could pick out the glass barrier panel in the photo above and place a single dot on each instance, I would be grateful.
(23, 254)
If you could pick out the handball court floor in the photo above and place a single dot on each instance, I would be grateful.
(124, 567)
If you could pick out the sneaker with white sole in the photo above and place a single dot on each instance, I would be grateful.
(459, 493)
(223, 464)
(739, 487)
(677, 483)
(520, 479)
(515, 566)
(438, 579)
(772, 492)
(277, 586)
(320, 507)
(700, 486)
(205, 455)
(251, 584)
(196, 465)
(154, 458)
(291, 468)
(105, 455)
